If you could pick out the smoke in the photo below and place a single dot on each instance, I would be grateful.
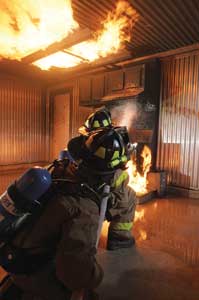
(124, 114)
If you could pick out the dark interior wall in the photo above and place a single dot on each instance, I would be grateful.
(24, 132)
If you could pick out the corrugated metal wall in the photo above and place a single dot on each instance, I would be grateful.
(22, 123)
(178, 145)
(24, 128)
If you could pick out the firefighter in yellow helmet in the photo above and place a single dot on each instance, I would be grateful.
(122, 209)
(57, 251)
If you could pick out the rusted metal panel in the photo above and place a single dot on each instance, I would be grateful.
(178, 146)
(23, 128)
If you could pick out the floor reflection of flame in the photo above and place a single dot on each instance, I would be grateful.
(104, 231)
(143, 235)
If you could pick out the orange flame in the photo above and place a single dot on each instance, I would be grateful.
(27, 26)
(139, 215)
(116, 29)
(143, 235)
(137, 181)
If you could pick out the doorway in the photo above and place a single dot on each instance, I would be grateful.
(61, 107)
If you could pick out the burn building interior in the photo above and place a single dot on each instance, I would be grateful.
(150, 85)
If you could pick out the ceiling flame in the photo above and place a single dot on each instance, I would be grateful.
(137, 181)
(27, 26)
(116, 29)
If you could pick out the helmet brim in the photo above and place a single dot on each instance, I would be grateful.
(83, 130)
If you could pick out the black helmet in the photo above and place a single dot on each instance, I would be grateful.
(99, 119)
(105, 151)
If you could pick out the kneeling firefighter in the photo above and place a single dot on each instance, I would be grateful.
(59, 247)
(122, 211)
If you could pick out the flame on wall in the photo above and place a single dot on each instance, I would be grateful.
(137, 181)
(27, 26)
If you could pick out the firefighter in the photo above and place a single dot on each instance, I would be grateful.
(122, 210)
(99, 119)
(58, 249)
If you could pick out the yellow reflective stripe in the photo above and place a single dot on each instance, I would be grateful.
(123, 176)
(123, 158)
(105, 122)
(117, 161)
(96, 124)
(122, 226)
(116, 154)
(101, 152)
(114, 163)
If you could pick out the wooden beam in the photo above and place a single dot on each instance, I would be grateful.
(75, 55)
(74, 38)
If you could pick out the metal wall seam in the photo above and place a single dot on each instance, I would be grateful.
(23, 128)
(178, 137)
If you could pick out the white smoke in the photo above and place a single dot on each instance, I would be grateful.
(124, 114)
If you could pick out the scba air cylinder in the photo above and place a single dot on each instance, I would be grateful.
(21, 199)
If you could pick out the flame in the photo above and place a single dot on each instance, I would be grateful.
(143, 235)
(104, 231)
(137, 181)
(116, 30)
(139, 215)
(31, 25)
(27, 26)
